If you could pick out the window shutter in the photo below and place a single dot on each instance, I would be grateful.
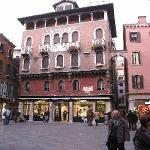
(138, 37)
(142, 81)
(133, 81)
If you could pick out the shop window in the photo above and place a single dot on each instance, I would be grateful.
(99, 33)
(136, 58)
(100, 84)
(65, 38)
(60, 85)
(47, 40)
(26, 64)
(46, 86)
(74, 60)
(99, 57)
(45, 62)
(75, 36)
(56, 39)
(75, 85)
(27, 87)
(135, 36)
(100, 106)
(59, 61)
(137, 81)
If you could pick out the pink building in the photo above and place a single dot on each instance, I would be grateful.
(64, 64)
(136, 43)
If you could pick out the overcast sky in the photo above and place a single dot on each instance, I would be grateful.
(126, 11)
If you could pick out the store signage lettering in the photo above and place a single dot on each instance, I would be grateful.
(88, 88)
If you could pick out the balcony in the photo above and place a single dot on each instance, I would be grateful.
(98, 44)
(44, 49)
(25, 51)
(74, 46)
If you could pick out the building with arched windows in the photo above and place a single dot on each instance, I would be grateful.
(64, 64)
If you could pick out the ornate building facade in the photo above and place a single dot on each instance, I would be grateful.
(64, 63)
(8, 75)
(136, 46)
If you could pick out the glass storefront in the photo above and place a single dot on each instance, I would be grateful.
(38, 110)
(80, 110)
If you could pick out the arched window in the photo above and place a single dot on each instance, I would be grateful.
(29, 42)
(26, 63)
(56, 39)
(99, 57)
(45, 62)
(100, 84)
(47, 40)
(74, 60)
(46, 86)
(75, 36)
(60, 85)
(1, 66)
(99, 33)
(27, 86)
(65, 38)
(60, 60)
(75, 85)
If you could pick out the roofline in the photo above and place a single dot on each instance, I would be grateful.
(109, 7)
(6, 39)
(62, 1)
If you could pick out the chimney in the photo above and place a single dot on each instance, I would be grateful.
(142, 20)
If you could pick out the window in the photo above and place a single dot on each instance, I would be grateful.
(29, 42)
(99, 57)
(75, 36)
(45, 62)
(1, 66)
(100, 84)
(120, 91)
(121, 84)
(67, 7)
(27, 86)
(60, 60)
(135, 36)
(46, 86)
(136, 58)
(65, 38)
(26, 63)
(1, 47)
(60, 85)
(75, 85)
(74, 60)
(99, 33)
(137, 81)
(47, 40)
(56, 39)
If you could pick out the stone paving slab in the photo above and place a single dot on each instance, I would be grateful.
(54, 136)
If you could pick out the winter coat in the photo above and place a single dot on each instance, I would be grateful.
(141, 140)
(121, 130)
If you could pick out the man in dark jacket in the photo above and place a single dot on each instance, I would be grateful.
(142, 136)
(118, 132)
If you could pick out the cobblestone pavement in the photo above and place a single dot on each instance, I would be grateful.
(54, 136)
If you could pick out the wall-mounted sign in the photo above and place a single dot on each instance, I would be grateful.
(87, 88)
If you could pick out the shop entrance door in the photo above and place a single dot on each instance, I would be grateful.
(61, 111)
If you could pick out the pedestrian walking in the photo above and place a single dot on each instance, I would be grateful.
(118, 132)
(6, 116)
(96, 117)
(130, 117)
(90, 116)
(142, 136)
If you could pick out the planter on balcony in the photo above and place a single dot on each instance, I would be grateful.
(73, 49)
(97, 47)
(99, 65)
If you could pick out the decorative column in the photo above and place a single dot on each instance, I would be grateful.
(107, 106)
(31, 111)
(51, 112)
(70, 112)
(20, 107)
